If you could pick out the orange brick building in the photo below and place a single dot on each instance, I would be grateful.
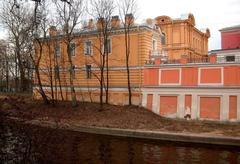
(182, 37)
(145, 40)
(211, 90)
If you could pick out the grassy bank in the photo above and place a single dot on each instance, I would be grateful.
(124, 117)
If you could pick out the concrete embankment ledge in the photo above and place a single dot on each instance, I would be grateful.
(146, 134)
(166, 136)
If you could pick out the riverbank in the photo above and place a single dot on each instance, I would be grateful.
(117, 120)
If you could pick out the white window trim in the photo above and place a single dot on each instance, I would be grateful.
(156, 45)
(85, 48)
(58, 54)
(90, 71)
(199, 106)
(74, 49)
(210, 84)
(109, 53)
(170, 84)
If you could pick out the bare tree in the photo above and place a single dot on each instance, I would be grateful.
(69, 15)
(39, 29)
(8, 66)
(102, 11)
(16, 20)
(4, 67)
(127, 12)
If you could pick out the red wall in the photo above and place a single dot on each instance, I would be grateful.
(232, 75)
(190, 76)
(149, 101)
(151, 76)
(233, 107)
(230, 39)
(210, 107)
(168, 105)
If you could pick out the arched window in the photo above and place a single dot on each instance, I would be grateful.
(163, 39)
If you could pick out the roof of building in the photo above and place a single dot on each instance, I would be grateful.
(86, 31)
(223, 50)
(236, 27)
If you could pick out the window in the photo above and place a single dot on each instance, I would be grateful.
(108, 47)
(58, 50)
(88, 71)
(230, 58)
(72, 49)
(88, 48)
(72, 70)
(163, 39)
(56, 72)
(154, 44)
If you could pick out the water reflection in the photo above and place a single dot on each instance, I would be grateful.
(30, 144)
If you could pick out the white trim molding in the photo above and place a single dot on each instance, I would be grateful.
(169, 69)
(196, 94)
(210, 84)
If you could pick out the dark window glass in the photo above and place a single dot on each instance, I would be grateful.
(88, 71)
(163, 39)
(230, 58)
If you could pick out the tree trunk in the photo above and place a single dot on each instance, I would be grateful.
(7, 77)
(73, 93)
(107, 79)
(36, 64)
(45, 99)
(127, 51)
(101, 87)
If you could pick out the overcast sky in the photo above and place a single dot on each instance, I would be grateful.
(212, 14)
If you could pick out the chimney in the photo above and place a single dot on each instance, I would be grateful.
(213, 58)
(90, 24)
(115, 22)
(129, 19)
(52, 31)
(149, 21)
(100, 23)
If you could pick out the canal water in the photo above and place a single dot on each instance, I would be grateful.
(21, 143)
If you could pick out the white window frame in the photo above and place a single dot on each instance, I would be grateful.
(88, 74)
(58, 49)
(109, 46)
(154, 44)
(88, 48)
(73, 52)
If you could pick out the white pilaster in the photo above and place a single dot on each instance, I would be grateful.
(144, 100)
(195, 112)
(159, 103)
(155, 105)
(238, 107)
(224, 108)
(181, 103)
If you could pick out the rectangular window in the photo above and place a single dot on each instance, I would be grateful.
(56, 72)
(72, 70)
(154, 44)
(58, 50)
(88, 71)
(230, 58)
(163, 39)
(72, 49)
(88, 48)
(108, 47)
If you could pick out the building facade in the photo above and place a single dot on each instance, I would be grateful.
(145, 41)
(230, 45)
(230, 37)
(182, 37)
(210, 90)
